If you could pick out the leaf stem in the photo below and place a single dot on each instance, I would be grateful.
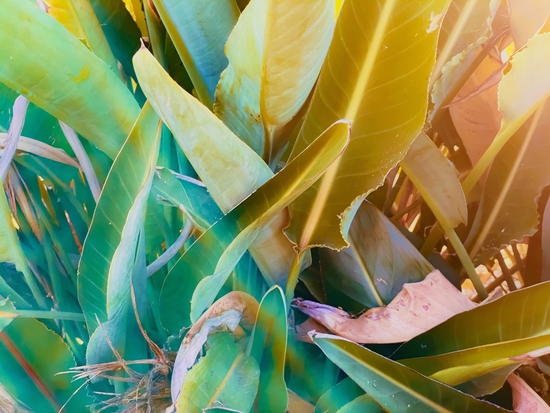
(467, 262)
(170, 251)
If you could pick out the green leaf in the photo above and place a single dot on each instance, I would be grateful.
(238, 228)
(229, 168)
(225, 377)
(346, 397)
(195, 199)
(508, 208)
(435, 177)
(268, 347)
(275, 54)
(199, 30)
(79, 18)
(378, 262)
(110, 247)
(32, 356)
(376, 74)
(80, 89)
(396, 387)
(500, 333)
(265, 204)
(120, 29)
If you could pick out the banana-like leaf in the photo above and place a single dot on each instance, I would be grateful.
(346, 397)
(297, 176)
(226, 377)
(529, 77)
(229, 168)
(268, 347)
(527, 17)
(110, 248)
(508, 209)
(225, 238)
(199, 30)
(499, 333)
(526, 399)
(395, 387)
(376, 74)
(120, 29)
(39, 148)
(275, 54)
(377, 264)
(32, 356)
(79, 18)
(466, 26)
(435, 177)
(80, 89)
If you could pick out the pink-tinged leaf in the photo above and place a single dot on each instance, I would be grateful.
(526, 400)
(527, 17)
(477, 118)
(416, 309)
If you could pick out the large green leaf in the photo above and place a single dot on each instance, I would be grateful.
(225, 377)
(199, 30)
(498, 332)
(110, 248)
(79, 18)
(268, 347)
(396, 387)
(238, 228)
(80, 89)
(378, 262)
(229, 168)
(275, 54)
(120, 29)
(376, 74)
(32, 356)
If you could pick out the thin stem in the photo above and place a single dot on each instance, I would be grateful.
(44, 315)
(406, 210)
(83, 159)
(393, 192)
(467, 262)
(14, 132)
(171, 251)
(429, 245)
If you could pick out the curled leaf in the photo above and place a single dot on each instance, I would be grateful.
(526, 400)
(416, 309)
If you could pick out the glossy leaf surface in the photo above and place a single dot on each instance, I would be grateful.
(395, 387)
(376, 75)
(275, 54)
(201, 260)
(104, 120)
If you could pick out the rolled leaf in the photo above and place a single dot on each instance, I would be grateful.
(109, 251)
(375, 74)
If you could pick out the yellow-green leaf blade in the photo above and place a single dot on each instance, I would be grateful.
(437, 181)
(376, 74)
(80, 89)
(275, 53)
